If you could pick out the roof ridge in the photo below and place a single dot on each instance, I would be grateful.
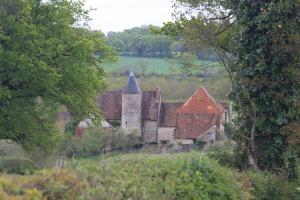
(212, 99)
(201, 91)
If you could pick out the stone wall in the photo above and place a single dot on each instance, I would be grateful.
(166, 134)
(149, 131)
(131, 113)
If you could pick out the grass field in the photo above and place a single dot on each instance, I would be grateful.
(159, 66)
(177, 90)
(216, 80)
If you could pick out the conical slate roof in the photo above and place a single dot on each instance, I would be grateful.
(132, 87)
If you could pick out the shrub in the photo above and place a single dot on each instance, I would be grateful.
(17, 165)
(262, 185)
(228, 155)
(50, 184)
(135, 176)
(9, 148)
(199, 145)
(178, 176)
(141, 177)
(267, 186)
(96, 141)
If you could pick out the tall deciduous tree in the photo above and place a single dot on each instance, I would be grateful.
(258, 43)
(48, 59)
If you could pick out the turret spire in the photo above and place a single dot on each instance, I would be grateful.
(132, 87)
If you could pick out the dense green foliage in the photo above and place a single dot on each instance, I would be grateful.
(136, 176)
(16, 165)
(267, 84)
(142, 42)
(258, 43)
(142, 176)
(265, 185)
(227, 155)
(97, 141)
(47, 60)
(271, 187)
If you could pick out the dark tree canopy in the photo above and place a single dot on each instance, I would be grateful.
(258, 43)
(47, 60)
(143, 42)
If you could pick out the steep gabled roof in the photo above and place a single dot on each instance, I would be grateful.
(168, 114)
(132, 86)
(197, 115)
(201, 102)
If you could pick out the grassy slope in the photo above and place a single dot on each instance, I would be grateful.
(130, 176)
(157, 66)
(173, 89)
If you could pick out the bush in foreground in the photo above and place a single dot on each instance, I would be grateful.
(182, 176)
(96, 141)
(17, 165)
(267, 186)
(178, 176)
(262, 185)
(135, 176)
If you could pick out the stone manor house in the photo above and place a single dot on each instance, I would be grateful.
(144, 113)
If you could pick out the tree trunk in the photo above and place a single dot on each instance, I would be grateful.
(251, 159)
(251, 149)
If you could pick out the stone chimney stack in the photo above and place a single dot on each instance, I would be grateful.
(158, 94)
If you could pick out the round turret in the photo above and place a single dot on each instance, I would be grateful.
(132, 107)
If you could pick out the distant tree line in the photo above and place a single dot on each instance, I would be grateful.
(142, 42)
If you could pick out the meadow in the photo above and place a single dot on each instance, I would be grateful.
(169, 75)
(157, 66)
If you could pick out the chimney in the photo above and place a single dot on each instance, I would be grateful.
(157, 94)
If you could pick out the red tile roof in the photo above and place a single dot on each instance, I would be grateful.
(191, 119)
(168, 114)
(110, 103)
(201, 102)
(191, 126)
(197, 115)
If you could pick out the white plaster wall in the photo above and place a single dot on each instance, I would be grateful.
(166, 133)
(131, 113)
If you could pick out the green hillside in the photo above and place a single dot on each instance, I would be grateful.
(133, 176)
(158, 66)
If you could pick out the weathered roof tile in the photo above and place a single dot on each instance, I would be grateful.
(110, 103)
(168, 114)
(201, 102)
(191, 126)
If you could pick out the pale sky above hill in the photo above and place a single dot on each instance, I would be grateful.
(117, 15)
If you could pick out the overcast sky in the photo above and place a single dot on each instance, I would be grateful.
(117, 15)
